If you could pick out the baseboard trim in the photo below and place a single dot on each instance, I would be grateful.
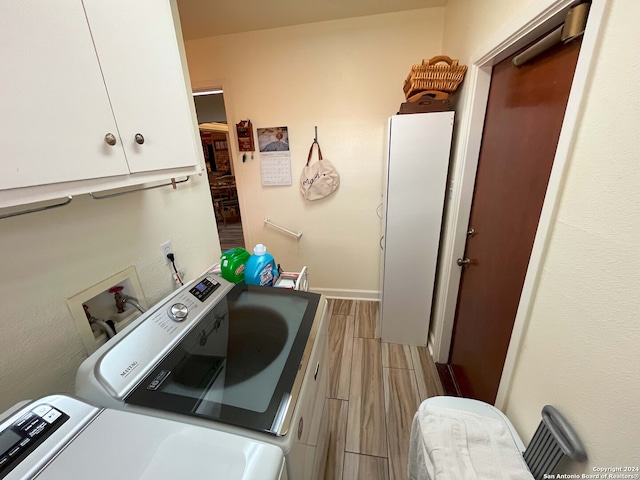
(345, 294)
(447, 379)
(431, 342)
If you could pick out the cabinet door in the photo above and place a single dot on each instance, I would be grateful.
(138, 49)
(54, 109)
(417, 178)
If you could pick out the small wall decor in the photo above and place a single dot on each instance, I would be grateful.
(244, 130)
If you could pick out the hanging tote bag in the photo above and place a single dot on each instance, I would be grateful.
(318, 179)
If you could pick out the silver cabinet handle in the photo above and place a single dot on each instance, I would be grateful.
(139, 138)
(300, 428)
(110, 139)
(463, 262)
(381, 239)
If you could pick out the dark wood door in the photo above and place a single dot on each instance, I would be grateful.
(522, 125)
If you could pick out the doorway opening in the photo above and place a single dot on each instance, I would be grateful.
(217, 150)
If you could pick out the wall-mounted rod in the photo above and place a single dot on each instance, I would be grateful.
(67, 201)
(173, 183)
(293, 234)
(39, 209)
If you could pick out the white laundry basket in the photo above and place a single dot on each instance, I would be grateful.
(454, 437)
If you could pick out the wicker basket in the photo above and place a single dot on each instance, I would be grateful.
(438, 73)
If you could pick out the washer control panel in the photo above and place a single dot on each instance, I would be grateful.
(20, 438)
(204, 288)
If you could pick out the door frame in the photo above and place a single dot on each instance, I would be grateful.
(223, 84)
(531, 24)
(219, 128)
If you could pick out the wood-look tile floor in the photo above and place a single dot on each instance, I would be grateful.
(375, 389)
(231, 236)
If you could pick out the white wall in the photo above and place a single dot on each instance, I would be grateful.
(50, 256)
(580, 349)
(346, 78)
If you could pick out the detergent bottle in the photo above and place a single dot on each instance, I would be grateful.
(261, 268)
(232, 264)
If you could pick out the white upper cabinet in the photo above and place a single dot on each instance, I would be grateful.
(54, 109)
(72, 73)
(138, 52)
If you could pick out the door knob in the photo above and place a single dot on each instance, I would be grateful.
(139, 138)
(463, 262)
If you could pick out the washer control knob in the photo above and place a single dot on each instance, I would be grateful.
(178, 312)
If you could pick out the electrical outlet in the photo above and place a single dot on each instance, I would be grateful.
(166, 250)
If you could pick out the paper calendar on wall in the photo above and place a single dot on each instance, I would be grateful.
(275, 157)
(275, 169)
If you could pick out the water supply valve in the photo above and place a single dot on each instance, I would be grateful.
(117, 296)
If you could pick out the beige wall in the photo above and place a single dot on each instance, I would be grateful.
(580, 349)
(52, 255)
(345, 77)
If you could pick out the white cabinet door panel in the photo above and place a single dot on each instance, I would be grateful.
(54, 109)
(416, 182)
(140, 58)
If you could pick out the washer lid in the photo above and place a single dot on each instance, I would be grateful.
(126, 445)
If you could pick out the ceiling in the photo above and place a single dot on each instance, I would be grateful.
(208, 18)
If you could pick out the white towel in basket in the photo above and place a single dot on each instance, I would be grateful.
(452, 444)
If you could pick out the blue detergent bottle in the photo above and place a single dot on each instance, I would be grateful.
(260, 268)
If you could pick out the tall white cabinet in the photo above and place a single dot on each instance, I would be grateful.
(413, 201)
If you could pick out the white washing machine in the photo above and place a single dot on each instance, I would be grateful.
(59, 437)
(243, 359)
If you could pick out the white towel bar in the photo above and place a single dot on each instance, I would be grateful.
(294, 234)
